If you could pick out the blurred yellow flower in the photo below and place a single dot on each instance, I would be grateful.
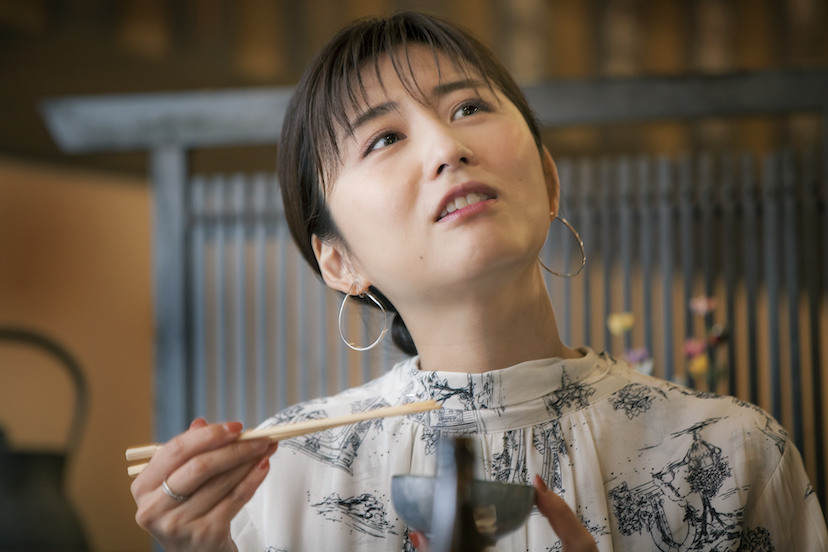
(620, 322)
(699, 366)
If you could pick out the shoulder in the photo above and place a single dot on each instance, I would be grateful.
(735, 423)
(385, 390)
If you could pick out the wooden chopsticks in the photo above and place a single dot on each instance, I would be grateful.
(280, 432)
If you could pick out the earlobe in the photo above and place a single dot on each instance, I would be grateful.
(334, 266)
(553, 185)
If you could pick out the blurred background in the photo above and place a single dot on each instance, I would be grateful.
(75, 231)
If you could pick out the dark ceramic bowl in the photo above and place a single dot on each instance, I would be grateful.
(498, 508)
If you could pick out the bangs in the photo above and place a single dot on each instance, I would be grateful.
(343, 64)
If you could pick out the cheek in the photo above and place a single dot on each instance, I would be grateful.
(373, 213)
(514, 148)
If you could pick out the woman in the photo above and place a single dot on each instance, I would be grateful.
(413, 173)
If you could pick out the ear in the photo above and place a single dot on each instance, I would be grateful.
(553, 185)
(336, 270)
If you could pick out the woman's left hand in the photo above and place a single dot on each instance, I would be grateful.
(574, 536)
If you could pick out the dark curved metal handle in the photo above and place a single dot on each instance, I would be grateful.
(72, 366)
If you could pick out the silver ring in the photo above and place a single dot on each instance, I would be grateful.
(171, 493)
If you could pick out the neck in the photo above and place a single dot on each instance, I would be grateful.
(480, 332)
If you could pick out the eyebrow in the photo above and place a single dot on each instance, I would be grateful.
(386, 107)
(449, 87)
(373, 113)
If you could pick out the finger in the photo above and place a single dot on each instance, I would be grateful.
(212, 469)
(418, 540)
(204, 481)
(271, 450)
(182, 448)
(197, 423)
(574, 536)
(241, 493)
(217, 488)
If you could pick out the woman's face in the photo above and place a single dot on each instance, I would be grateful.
(436, 198)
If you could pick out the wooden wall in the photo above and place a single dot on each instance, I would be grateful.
(74, 265)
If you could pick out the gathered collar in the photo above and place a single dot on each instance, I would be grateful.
(497, 390)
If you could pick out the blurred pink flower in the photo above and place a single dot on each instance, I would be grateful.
(694, 347)
(637, 355)
(701, 305)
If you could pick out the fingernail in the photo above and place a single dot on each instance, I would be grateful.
(263, 464)
(233, 427)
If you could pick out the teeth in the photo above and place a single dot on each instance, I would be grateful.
(463, 201)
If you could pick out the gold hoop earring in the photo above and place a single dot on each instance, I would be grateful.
(580, 244)
(384, 319)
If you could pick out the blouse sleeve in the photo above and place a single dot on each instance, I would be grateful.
(787, 515)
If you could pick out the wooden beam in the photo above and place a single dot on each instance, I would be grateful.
(238, 117)
(83, 124)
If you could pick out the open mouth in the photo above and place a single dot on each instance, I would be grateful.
(463, 201)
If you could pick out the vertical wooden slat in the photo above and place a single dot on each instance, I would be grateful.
(302, 330)
(220, 322)
(240, 296)
(260, 206)
(585, 172)
(665, 222)
(197, 296)
(281, 315)
(822, 194)
(321, 338)
(546, 256)
(626, 223)
(790, 260)
(686, 205)
(172, 408)
(810, 250)
(605, 217)
(729, 249)
(822, 212)
(770, 225)
(750, 233)
(385, 355)
(645, 242)
(824, 200)
(706, 208)
(565, 315)
(342, 354)
(366, 313)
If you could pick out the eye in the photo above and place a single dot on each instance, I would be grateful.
(382, 141)
(470, 107)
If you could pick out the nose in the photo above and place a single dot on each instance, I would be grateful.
(446, 151)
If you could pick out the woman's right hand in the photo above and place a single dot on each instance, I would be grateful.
(217, 474)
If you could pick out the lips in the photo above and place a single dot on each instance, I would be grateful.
(463, 196)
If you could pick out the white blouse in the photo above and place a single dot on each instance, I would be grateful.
(645, 464)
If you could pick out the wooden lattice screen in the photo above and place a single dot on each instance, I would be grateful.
(243, 329)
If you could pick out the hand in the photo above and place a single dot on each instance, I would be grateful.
(216, 473)
(574, 536)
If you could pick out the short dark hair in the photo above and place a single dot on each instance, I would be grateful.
(332, 87)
